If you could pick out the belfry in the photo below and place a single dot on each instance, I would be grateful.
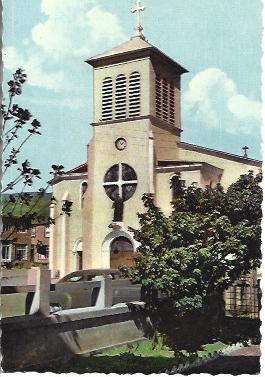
(136, 148)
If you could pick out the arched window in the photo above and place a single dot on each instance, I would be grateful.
(177, 186)
(83, 187)
(134, 94)
(78, 251)
(107, 98)
(120, 180)
(120, 97)
(83, 190)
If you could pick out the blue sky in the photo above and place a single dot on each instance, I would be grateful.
(218, 41)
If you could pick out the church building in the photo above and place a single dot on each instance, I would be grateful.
(136, 148)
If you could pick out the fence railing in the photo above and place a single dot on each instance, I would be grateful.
(243, 300)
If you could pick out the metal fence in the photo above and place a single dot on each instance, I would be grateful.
(243, 300)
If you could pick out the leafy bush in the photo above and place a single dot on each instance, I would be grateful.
(186, 260)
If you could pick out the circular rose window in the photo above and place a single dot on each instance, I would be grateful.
(120, 181)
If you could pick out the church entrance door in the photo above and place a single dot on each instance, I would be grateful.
(121, 252)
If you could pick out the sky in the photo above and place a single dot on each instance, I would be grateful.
(217, 41)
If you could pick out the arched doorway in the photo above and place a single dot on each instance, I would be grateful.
(79, 255)
(121, 252)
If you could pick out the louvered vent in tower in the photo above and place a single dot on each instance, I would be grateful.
(165, 100)
(134, 94)
(172, 103)
(107, 98)
(158, 97)
(165, 97)
(120, 97)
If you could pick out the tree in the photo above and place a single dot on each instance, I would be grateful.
(18, 128)
(188, 259)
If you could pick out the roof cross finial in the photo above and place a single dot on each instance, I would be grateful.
(245, 148)
(138, 28)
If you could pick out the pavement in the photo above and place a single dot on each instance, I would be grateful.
(245, 360)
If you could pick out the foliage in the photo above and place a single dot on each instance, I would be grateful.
(23, 210)
(188, 259)
(19, 204)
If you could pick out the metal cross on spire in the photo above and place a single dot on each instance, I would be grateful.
(245, 148)
(138, 28)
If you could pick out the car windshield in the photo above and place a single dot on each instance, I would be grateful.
(75, 278)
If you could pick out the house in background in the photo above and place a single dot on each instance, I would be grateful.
(16, 244)
(40, 236)
(25, 245)
(21, 242)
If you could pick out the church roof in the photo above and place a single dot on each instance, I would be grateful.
(167, 166)
(134, 48)
(220, 154)
(77, 173)
(79, 169)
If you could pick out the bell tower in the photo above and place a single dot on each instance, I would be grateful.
(136, 124)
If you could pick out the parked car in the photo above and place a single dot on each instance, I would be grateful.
(88, 275)
(123, 291)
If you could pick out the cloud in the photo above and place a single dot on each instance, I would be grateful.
(104, 25)
(12, 59)
(242, 107)
(74, 28)
(72, 31)
(33, 66)
(212, 100)
(63, 7)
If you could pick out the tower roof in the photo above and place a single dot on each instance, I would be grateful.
(136, 47)
(134, 44)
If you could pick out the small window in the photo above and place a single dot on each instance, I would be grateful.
(47, 232)
(6, 253)
(21, 252)
(33, 232)
(22, 231)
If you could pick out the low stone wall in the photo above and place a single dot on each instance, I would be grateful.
(17, 277)
(35, 340)
(31, 342)
(14, 304)
(17, 300)
(101, 292)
